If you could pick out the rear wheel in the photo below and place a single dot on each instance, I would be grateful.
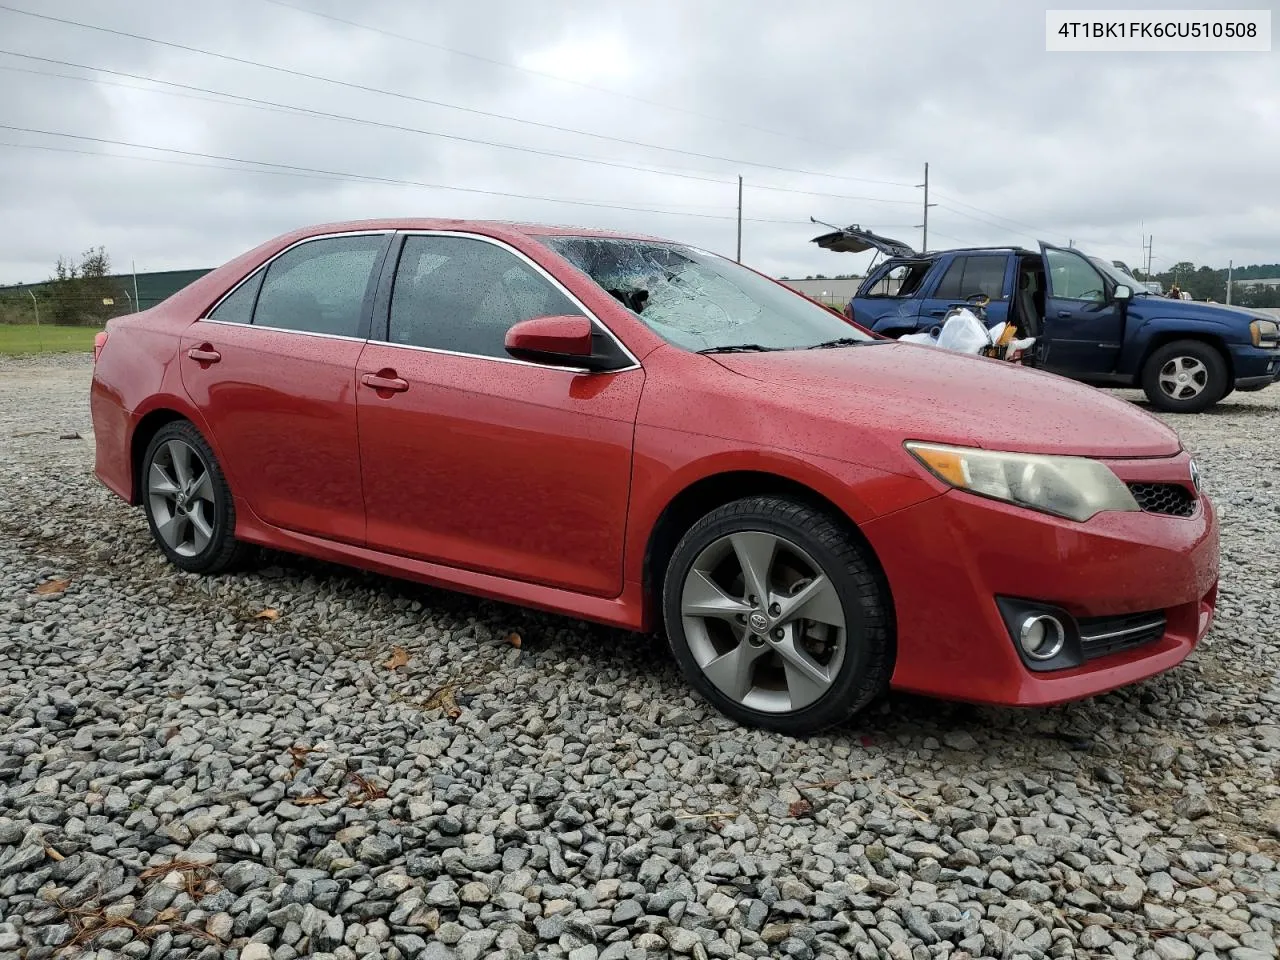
(777, 617)
(188, 503)
(1185, 376)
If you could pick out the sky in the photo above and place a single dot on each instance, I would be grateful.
(652, 111)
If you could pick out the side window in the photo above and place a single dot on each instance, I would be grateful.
(972, 275)
(453, 293)
(238, 308)
(320, 286)
(900, 280)
(1072, 277)
(949, 287)
(984, 275)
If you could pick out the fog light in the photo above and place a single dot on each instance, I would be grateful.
(1042, 636)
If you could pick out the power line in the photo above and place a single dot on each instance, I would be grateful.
(234, 99)
(970, 206)
(284, 169)
(1092, 242)
(435, 103)
(540, 73)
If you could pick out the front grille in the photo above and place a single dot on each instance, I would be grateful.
(1103, 636)
(1172, 499)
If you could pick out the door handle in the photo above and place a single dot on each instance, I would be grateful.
(385, 380)
(936, 313)
(204, 354)
(1063, 314)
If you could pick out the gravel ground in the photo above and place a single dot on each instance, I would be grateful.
(309, 760)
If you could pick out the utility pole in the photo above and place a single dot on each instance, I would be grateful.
(1150, 239)
(740, 218)
(1230, 264)
(134, 265)
(924, 240)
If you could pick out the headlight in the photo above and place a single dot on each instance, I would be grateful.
(1264, 332)
(1072, 487)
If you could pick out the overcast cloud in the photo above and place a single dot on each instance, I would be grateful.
(1023, 145)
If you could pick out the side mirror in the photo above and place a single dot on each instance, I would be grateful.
(1122, 293)
(551, 340)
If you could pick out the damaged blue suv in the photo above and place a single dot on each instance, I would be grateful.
(1091, 321)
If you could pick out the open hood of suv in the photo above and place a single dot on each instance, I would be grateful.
(854, 239)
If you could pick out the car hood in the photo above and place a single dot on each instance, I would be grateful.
(1195, 310)
(925, 393)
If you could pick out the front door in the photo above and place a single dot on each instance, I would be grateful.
(272, 368)
(480, 461)
(1083, 326)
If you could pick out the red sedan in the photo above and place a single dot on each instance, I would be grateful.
(642, 433)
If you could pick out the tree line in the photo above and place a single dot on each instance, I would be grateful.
(80, 292)
(1206, 283)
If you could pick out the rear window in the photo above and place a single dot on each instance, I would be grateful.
(900, 280)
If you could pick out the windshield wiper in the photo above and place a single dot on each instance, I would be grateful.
(839, 342)
(739, 348)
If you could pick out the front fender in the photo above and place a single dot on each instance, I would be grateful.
(1146, 333)
(668, 462)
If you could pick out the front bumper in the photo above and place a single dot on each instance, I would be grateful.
(1254, 367)
(948, 559)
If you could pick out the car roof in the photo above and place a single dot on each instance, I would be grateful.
(939, 253)
(492, 228)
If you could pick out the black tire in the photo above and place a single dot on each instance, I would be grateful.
(222, 551)
(867, 609)
(1217, 376)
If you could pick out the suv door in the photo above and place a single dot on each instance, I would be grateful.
(1083, 327)
(967, 275)
(272, 368)
(478, 460)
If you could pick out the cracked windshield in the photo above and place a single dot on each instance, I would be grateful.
(699, 301)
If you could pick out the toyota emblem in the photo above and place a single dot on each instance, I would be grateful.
(759, 622)
(1195, 476)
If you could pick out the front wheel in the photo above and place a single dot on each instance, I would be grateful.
(188, 503)
(1186, 376)
(777, 617)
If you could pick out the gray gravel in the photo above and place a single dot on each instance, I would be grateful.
(181, 776)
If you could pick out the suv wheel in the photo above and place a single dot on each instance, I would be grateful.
(188, 503)
(1185, 376)
(777, 617)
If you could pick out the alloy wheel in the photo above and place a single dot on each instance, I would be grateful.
(763, 621)
(180, 493)
(1183, 378)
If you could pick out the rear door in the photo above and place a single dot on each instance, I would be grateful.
(478, 460)
(1083, 326)
(967, 275)
(272, 368)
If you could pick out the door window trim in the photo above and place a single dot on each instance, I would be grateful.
(382, 305)
(367, 301)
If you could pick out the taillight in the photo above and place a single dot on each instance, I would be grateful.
(99, 341)
(848, 309)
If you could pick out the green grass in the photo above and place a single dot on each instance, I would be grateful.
(20, 338)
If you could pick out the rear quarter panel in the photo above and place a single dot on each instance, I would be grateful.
(137, 374)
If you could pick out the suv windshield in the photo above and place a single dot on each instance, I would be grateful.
(701, 301)
(1119, 276)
